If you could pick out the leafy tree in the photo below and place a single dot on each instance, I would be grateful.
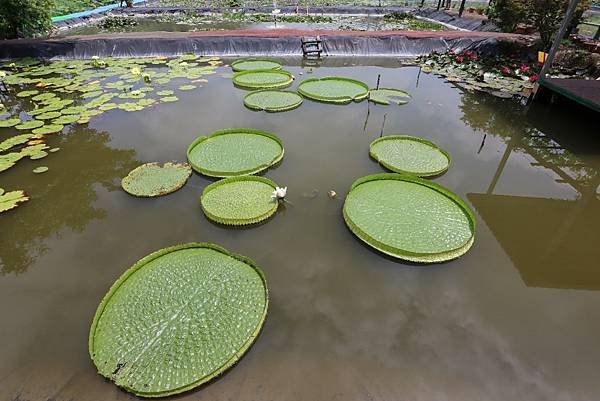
(507, 14)
(24, 18)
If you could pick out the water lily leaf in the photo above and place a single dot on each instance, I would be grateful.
(39, 155)
(91, 94)
(409, 218)
(27, 93)
(187, 87)
(389, 95)
(41, 169)
(11, 122)
(31, 124)
(12, 199)
(48, 129)
(153, 179)
(225, 298)
(83, 120)
(108, 106)
(234, 152)
(163, 81)
(132, 95)
(239, 200)
(73, 110)
(168, 99)
(409, 154)
(54, 150)
(188, 57)
(43, 96)
(272, 100)
(64, 120)
(255, 64)
(333, 89)
(14, 141)
(262, 79)
(91, 113)
(165, 93)
(48, 115)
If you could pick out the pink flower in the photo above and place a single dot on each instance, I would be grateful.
(533, 77)
(459, 59)
(506, 71)
(524, 68)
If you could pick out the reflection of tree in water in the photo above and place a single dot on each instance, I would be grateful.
(65, 199)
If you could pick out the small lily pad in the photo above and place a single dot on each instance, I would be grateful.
(43, 96)
(54, 150)
(152, 179)
(187, 87)
(39, 155)
(64, 120)
(11, 122)
(48, 115)
(27, 93)
(169, 99)
(14, 141)
(12, 199)
(41, 169)
(239, 200)
(31, 124)
(48, 129)
(165, 93)
(389, 95)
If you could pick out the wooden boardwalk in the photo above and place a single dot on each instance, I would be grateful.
(583, 91)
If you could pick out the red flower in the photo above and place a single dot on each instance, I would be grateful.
(524, 68)
(450, 51)
(474, 57)
(470, 54)
(459, 59)
(506, 71)
(533, 77)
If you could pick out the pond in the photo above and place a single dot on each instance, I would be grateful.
(515, 318)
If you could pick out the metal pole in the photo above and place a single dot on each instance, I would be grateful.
(462, 8)
(561, 33)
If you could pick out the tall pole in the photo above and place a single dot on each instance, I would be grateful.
(561, 33)
(462, 8)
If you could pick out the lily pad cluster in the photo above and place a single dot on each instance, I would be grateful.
(403, 215)
(178, 318)
(46, 97)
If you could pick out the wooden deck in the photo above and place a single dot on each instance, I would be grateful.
(583, 91)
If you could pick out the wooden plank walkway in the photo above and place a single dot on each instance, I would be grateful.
(583, 91)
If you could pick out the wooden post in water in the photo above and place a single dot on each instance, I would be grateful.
(378, 78)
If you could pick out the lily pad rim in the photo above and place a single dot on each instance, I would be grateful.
(155, 255)
(239, 222)
(334, 99)
(227, 131)
(403, 254)
(273, 109)
(244, 60)
(283, 84)
(410, 138)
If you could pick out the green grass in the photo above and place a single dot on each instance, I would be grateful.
(63, 7)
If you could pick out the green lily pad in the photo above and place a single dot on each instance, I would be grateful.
(165, 93)
(31, 124)
(234, 152)
(152, 179)
(333, 89)
(239, 200)
(91, 94)
(48, 115)
(39, 155)
(14, 141)
(12, 199)
(255, 64)
(48, 129)
(43, 96)
(41, 169)
(262, 79)
(272, 100)
(27, 93)
(169, 99)
(187, 87)
(2, 191)
(64, 120)
(54, 150)
(389, 95)
(409, 154)
(178, 318)
(409, 218)
(11, 122)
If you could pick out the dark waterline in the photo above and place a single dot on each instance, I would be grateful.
(516, 318)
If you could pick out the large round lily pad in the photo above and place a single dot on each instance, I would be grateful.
(239, 200)
(409, 154)
(386, 96)
(234, 152)
(178, 318)
(152, 179)
(262, 79)
(255, 64)
(333, 89)
(409, 218)
(272, 100)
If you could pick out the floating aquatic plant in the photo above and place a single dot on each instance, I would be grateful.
(409, 218)
(14, 141)
(333, 89)
(255, 64)
(31, 124)
(41, 169)
(409, 154)
(48, 129)
(272, 100)
(12, 199)
(187, 87)
(234, 152)
(11, 122)
(389, 95)
(262, 79)
(153, 179)
(239, 200)
(178, 318)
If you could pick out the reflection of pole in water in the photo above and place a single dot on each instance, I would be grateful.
(368, 113)
(383, 125)
(418, 76)
(482, 144)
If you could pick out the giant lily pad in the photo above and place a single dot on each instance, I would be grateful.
(255, 64)
(178, 318)
(409, 218)
(409, 154)
(272, 100)
(234, 152)
(152, 179)
(262, 79)
(10, 200)
(239, 200)
(333, 89)
(388, 95)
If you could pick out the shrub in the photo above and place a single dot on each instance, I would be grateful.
(24, 18)
(507, 14)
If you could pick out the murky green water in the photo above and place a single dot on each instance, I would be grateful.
(516, 318)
